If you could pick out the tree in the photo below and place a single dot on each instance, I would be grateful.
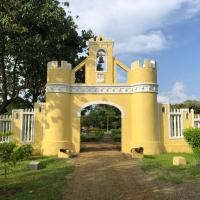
(33, 32)
(191, 104)
(101, 116)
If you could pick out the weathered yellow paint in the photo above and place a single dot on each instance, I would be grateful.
(144, 123)
(62, 129)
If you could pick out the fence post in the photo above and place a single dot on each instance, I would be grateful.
(17, 118)
(39, 111)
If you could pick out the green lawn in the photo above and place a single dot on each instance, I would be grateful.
(23, 184)
(161, 166)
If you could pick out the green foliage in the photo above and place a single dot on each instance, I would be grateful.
(196, 152)
(31, 34)
(22, 153)
(101, 116)
(192, 136)
(6, 155)
(5, 134)
(94, 137)
(10, 154)
(191, 104)
(116, 131)
(116, 135)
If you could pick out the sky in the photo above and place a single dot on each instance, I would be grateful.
(167, 31)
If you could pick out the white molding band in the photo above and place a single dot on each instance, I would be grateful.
(102, 89)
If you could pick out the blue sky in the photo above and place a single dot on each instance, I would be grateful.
(167, 31)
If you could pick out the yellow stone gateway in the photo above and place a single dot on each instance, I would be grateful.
(144, 122)
(137, 100)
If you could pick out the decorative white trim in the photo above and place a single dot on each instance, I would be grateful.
(101, 102)
(102, 89)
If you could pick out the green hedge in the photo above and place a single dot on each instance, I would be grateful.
(192, 136)
(116, 135)
(95, 136)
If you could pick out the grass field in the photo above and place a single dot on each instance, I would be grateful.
(47, 183)
(161, 166)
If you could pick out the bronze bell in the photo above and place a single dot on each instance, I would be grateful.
(101, 59)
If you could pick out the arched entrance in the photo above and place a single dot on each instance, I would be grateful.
(100, 126)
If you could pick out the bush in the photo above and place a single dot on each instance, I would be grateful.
(89, 138)
(196, 152)
(116, 131)
(22, 153)
(192, 136)
(116, 134)
(10, 154)
(94, 137)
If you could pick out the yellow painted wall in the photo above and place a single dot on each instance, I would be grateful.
(140, 113)
(173, 144)
(143, 121)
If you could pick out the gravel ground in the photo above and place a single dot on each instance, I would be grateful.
(108, 175)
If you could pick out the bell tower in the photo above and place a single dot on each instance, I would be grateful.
(100, 61)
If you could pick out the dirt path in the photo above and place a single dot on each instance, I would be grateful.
(108, 175)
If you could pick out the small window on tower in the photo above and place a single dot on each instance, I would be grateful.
(101, 60)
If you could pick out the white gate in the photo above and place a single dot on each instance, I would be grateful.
(27, 131)
(5, 126)
(176, 123)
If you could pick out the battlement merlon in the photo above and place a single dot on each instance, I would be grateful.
(59, 65)
(100, 40)
(147, 63)
(58, 72)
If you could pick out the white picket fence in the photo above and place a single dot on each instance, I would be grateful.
(5, 126)
(197, 120)
(176, 123)
(27, 126)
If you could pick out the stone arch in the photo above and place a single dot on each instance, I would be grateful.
(101, 102)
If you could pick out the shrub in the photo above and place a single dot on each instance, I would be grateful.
(22, 153)
(116, 131)
(116, 134)
(10, 154)
(89, 138)
(192, 136)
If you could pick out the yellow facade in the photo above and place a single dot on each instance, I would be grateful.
(136, 99)
(145, 122)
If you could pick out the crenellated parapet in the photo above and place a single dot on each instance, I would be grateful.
(59, 65)
(58, 72)
(143, 73)
(147, 63)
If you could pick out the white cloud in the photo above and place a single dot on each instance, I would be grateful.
(177, 94)
(134, 23)
(153, 41)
